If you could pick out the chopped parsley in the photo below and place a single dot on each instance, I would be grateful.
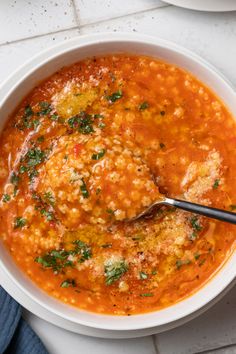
(202, 262)
(44, 205)
(216, 184)
(23, 169)
(110, 211)
(101, 125)
(45, 108)
(114, 271)
(146, 294)
(59, 259)
(48, 214)
(56, 260)
(193, 236)
(31, 159)
(99, 155)
(83, 250)
(143, 276)
(48, 197)
(19, 222)
(83, 122)
(162, 145)
(14, 179)
(114, 96)
(67, 283)
(40, 139)
(143, 106)
(107, 245)
(6, 198)
(233, 206)
(34, 157)
(179, 263)
(195, 223)
(98, 190)
(26, 119)
(28, 111)
(83, 189)
(196, 256)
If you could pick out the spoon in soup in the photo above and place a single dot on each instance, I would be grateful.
(214, 213)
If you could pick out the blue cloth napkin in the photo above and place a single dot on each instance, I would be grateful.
(16, 337)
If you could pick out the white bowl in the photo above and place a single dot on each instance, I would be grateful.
(22, 288)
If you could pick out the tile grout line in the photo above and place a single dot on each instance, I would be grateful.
(39, 36)
(155, 344)
(127, 15)
(216, 349)
(76, 11)
(78, 26)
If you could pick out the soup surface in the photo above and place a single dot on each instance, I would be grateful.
(91, 147)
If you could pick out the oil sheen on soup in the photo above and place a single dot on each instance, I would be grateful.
(91, 147)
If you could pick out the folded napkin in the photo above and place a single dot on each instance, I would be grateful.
(16, 337)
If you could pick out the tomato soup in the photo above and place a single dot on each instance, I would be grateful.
(90, 148)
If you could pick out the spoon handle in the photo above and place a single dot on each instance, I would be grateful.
(214, 213)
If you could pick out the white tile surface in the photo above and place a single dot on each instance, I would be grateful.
(70, 343)
(211, 35)
(15, 54)
(26, 18)
(215, 328)
(98, 10)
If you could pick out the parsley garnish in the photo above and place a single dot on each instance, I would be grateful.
(84, 190)
(193, 236)
(179, 263)
(68, 282)
(19, 222)
(48, 197)
(110, 211)
(101, 125)
(32, 158)
(40, 139)
(114, 271)
(147, 295)
(216, 184)
(45, 108)
(6, 198)
(56, 260)
(28, 111)
(115, 96)
(48, 214)
(83, 122)
(107, 245)
(143, 106)
(143, 275)
(162, 145)
(195, 223)
(202, 262)
(14, 179)
(99, 155)
(83, 249)
(233, 206)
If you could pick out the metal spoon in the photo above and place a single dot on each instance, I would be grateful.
(214, 213)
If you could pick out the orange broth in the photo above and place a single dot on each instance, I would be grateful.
(92, 146)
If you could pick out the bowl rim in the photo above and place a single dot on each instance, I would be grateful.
(152, 319)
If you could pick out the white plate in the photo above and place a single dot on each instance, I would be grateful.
(16, 283)
(206, 5)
